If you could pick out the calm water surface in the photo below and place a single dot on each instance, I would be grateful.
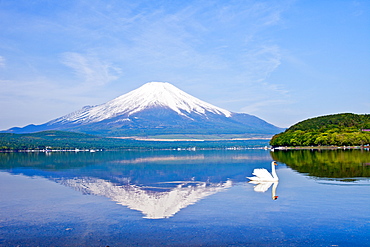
(184, 198)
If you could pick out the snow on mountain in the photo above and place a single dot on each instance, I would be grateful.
(152, 94)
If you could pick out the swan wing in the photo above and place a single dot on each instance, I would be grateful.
(262, 173)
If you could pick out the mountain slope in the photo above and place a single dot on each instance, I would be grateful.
(155, 108)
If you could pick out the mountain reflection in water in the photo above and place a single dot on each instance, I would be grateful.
(153, 204)
(158, 184)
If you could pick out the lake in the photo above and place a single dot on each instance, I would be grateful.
(184, 198)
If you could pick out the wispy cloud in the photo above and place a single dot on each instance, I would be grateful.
(201, 37)
(270, 102)
(2, 62)
(261, 61)
(90, 69)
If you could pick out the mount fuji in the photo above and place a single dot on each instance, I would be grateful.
(156, 108)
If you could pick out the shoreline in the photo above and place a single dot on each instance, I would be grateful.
(320, 148)
(191, 139)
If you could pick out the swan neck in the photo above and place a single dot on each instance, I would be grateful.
(273, 172)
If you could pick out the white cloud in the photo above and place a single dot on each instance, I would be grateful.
(90, 69)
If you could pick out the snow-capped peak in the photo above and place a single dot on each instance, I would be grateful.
(152, 94)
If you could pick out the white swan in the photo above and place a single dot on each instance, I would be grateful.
(262, 175)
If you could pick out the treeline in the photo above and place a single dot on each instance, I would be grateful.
(55, 140)
(338, 130)
(61, 140)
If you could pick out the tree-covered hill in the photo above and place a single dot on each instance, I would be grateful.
(346, 129)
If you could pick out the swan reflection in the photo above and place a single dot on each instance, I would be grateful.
(153, 202)
(264, 186)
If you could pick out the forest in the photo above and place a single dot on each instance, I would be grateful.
(62, 140)
(346, 129)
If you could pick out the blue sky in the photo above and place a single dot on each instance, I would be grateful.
(283, 61)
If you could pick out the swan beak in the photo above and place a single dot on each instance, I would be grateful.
(275, 197)
(275, 163)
